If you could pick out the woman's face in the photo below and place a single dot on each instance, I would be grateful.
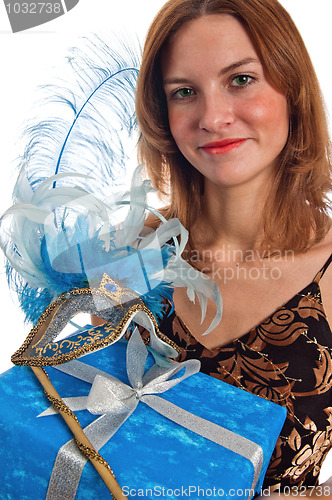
(225, 117)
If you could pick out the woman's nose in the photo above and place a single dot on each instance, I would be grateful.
(216, 111)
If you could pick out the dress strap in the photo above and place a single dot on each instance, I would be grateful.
(320, 273)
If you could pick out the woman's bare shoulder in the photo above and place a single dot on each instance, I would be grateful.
(323, 249)
(328, 239)
(326, 281)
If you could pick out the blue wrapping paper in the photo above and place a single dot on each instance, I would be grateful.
(150, 455)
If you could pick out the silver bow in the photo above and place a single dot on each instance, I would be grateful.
(115, 401)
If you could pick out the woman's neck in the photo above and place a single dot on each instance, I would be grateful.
(231, 217)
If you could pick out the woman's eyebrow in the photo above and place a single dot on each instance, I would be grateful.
(227, 69)
(232, 67)
(170, 81)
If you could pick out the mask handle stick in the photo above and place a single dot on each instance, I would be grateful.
(85, 446)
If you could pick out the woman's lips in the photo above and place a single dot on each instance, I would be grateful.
(220, 147)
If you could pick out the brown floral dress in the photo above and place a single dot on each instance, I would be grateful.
(286, 359)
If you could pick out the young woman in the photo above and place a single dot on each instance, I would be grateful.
(234, 130)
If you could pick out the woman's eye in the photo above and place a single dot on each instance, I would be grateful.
(242, 81)
(183, 93)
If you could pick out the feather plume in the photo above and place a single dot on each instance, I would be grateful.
(94, 128)
(63, 231)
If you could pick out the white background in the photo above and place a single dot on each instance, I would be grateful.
(30, 57)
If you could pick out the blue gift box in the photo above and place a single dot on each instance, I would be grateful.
(150, 455)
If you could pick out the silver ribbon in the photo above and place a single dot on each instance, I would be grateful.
(116, 401)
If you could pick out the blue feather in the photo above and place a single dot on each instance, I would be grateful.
(31, 300)
(120, 263)
(61, 282)
(95, 117)
(155, 300)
